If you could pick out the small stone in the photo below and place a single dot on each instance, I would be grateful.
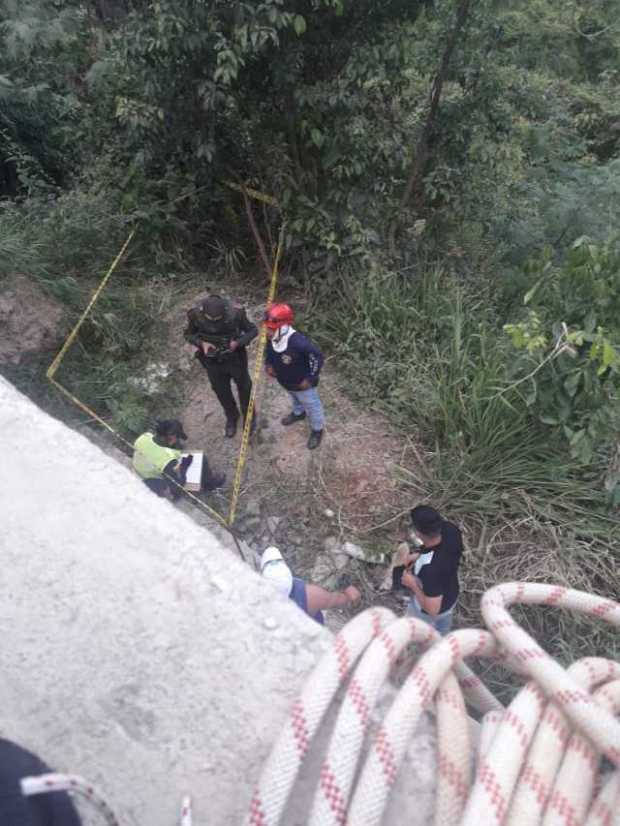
(329, 513)
(270, 623)
(353, 550)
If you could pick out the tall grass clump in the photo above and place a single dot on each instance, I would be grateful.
(431, 352)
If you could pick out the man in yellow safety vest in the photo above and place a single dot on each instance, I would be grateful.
(158, 459)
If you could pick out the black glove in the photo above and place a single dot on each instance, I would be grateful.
(186, 462)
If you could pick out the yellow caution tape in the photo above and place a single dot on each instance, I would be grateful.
(253, 193)
(51, 371)
(256, 380)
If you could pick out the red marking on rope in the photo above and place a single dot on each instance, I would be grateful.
(333, 795)
(520, 592)
(455, 648)
(602, 811)
(184, 811)
(517, 724)
(534, 780)
(494, 791)
(453, 776)
(558, 725)
(585, 751)
(389, 646)
(431, 635)
(257, 815)
(563, 807)
(481, 644)
(49, 783)
(300, 727)
(448, 697)
(525, 654)
(568, 696)
(555, 596)
(358, 699)
(420, 680)
(376, 623)
(499, 624)
(536, 692)
(386, 756)
(610, 698)
(342, 654)
(603, 608)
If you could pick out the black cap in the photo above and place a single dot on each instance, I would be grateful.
(426, 520)
(214, 307)
(170, 427)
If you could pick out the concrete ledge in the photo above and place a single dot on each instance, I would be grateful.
(137, 651)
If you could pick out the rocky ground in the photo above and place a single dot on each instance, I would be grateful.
(333, 511)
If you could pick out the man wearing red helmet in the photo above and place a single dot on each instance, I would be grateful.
(296, 363)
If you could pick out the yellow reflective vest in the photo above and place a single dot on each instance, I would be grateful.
(150, 459)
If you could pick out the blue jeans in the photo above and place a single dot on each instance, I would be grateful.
(442, 623)
(308, 402)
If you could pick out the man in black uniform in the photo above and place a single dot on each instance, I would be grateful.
(221, 331)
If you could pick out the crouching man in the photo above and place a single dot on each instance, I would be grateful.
(158, 459)
(431, 571)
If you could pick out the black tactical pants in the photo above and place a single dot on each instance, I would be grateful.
(233, 367)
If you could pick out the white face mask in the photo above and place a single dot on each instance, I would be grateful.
(280, 341)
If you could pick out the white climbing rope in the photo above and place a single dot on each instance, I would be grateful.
(539, 761)
(539, 758)
(45, 783)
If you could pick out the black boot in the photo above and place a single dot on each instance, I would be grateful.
(292, 418)
(315, 439)
(231, 428)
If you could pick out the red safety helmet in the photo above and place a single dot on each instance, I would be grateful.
(278, 315)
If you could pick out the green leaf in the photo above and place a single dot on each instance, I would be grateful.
(300, 24)
(318, 138)
(572, 383)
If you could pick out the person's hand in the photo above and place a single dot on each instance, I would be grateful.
(233, 345)
(186, 461)
(270, 371)
(353, 593)
(404, 555)
(409, 581)
(305, 385)
(207, 347)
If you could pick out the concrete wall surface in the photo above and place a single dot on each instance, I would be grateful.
(137, 651)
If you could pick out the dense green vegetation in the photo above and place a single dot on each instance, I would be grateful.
(449, 174)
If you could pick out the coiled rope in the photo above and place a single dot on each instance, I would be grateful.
(539, 761)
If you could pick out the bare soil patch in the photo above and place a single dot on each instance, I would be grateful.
(31, 321)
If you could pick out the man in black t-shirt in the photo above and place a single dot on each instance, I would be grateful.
(434, 578)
